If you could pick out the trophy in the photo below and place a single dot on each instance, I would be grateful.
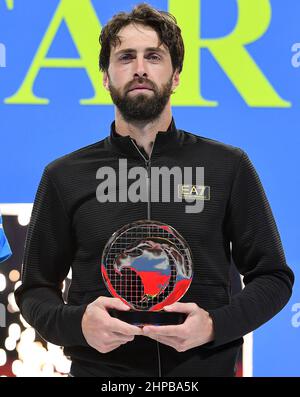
(148, 265)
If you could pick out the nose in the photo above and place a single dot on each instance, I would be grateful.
(140, 67)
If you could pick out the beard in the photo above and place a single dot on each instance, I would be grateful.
(142, 107)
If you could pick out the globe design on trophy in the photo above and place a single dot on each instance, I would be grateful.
(148, 265)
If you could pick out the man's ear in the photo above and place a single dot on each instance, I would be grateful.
(106, 80)
(176, 79)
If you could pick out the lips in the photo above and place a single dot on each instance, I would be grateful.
(139, 87)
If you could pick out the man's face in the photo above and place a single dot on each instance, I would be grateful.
(140, 76)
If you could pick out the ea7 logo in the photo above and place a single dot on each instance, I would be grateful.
(2, 56)
(198, 192)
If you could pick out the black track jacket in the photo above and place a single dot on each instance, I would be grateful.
(69, 228)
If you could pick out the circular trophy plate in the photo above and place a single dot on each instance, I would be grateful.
(148, 265)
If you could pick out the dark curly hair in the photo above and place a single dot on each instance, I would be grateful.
(162, 22)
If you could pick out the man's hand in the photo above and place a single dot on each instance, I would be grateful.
(103, 332)
(195, 331)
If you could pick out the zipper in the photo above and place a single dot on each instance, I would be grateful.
(148, 167)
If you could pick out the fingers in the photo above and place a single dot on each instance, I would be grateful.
(116, 325)
(112, 303)
(181, 307)
(164, 330)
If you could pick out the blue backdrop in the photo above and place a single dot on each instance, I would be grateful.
(33, 135)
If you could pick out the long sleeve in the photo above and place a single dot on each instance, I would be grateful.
(258, 254)
(47, 260)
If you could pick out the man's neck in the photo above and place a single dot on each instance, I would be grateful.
(143, 132)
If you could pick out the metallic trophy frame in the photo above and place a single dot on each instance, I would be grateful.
(148, 265)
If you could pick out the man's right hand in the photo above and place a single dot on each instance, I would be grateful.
(103, 332)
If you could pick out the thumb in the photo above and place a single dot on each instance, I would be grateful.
(113, 303)
(180, 307)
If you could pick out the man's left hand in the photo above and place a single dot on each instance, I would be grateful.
(195, 331)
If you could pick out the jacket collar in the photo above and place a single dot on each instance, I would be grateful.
(164, 141)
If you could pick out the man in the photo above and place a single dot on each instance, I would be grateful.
(5, 251)
(141, 58)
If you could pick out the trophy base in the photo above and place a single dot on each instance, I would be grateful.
(141, 318)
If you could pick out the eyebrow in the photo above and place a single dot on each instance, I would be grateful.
(132, 50)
